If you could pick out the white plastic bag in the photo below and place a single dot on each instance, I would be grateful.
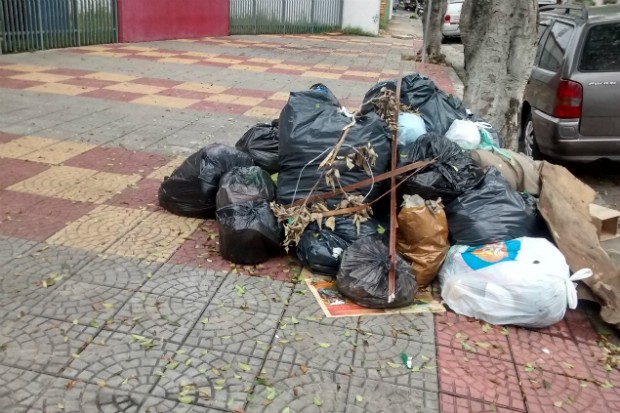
(525, 282)
(410, 128)
(465, 133)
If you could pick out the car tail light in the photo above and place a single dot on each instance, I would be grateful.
(447, 18)
(568, 100)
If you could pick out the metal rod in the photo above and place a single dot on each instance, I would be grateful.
(393, 206)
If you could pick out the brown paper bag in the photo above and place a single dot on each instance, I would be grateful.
(423, 237)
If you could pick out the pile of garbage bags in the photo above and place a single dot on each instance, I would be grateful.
(473, 195)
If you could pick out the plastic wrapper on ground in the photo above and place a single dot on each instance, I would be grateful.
(363, 276)
(249, 232)
(525, 282)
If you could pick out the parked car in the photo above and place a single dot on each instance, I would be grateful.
(570, 109)
(451, 19)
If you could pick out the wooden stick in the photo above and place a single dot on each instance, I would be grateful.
(393, 206)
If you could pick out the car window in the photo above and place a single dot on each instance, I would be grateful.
(552, 53)
(601, 51)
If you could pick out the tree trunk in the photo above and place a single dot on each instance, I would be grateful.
(437, 13)
(499, 39)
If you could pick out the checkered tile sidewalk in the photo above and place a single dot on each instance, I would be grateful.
(104, 200)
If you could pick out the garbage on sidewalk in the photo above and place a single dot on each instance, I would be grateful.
(342, 174)
(524, 281)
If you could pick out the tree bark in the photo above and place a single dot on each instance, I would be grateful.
(437, 13)
(499, 39)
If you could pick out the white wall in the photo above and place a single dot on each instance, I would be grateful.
(362, 14)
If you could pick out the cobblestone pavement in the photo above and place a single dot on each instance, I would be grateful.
(108, 303)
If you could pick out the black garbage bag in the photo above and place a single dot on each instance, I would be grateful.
(492, 212)
(438, 108)
(453, 173)
(245, 184)
(363, 276)
(191, 189)
(310, 124)
(321, 249)
(261, 143)
(249, 232)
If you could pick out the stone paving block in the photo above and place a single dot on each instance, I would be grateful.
(99, 229)
(600, 367)
(57, 153)
(15, 170)
(100, 187)
(86, 398)
(546, 392)
(118, 160)
(480, 378)
(143, 195)
(19, 147)
(201, 249)
(304, 307)
(155, 404)
(580, 326)
(471, 335)
(13, 247)
(234, 330)
(156, 237)
(40, 344)
(379, 357)
(547, 352)
(31, 226)
(61, 89)
(286, 386)
(158, 316)
(253, 293)
(118, 272)
(375, 396)
(184, 282)
(84, 303)
(316, 346)
(53, 181)
(20, 388)
(452, 404)
(209, 378)
(124, 362)
(22, 278)
(412, 327)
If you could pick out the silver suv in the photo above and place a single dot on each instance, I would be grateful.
(571, 108)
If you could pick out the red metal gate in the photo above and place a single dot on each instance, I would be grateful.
(146, 20)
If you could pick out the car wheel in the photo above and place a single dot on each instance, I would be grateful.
(528, 139)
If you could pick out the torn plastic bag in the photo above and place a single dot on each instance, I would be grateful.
(423, 237)
(465, 134)
(249, 232)
(453, 173)
(410, 128)
(492, 212)
(245, 184)
(438, 109)
(191, 189)
(321, 249)
(484, 125)
(310, 125)
(363, 276)
(524, 282)
(261, 143)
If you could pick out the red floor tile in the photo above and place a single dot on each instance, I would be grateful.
(85, 82)
(17, 84)
(547, 352)
(470, 335)
(15, 170)
(478, 377)
(188, 94)
(580, 326)
(370, 79)
(6, 137)
(202, 250)
(211, 64)
(141, 196)
(451, 404)
(547, 393)
(284, 71)
(142, 57)
(598, 366)
(559, 329)
(61, 209)
(13, 203)
(31, 226)
(156, 82)
(112, 95)
(8, 72)
(118, 160)
(273, 104)
(282, 268)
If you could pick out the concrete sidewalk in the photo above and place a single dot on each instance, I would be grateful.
(108, 303)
